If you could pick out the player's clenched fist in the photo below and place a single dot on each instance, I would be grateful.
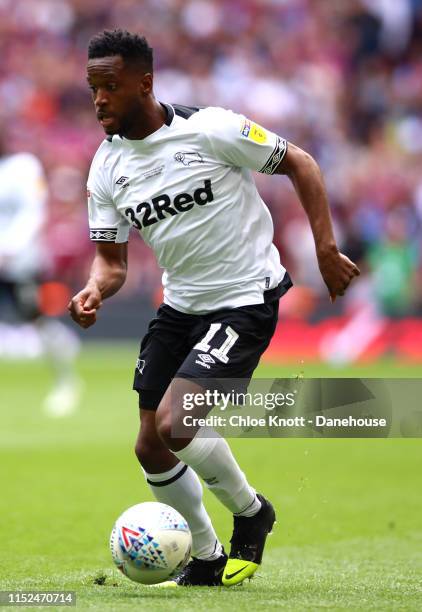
(338, 271)
(84, 305)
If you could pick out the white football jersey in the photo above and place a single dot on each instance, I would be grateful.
(189, 191)
(23, 201)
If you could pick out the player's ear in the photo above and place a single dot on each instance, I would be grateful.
(146, 84)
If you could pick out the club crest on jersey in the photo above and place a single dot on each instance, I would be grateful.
(140, 364)
(187, 158)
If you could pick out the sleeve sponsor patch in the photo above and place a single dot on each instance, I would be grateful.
(253, 131)
(246, 128)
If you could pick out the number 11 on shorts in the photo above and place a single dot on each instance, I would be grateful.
(222, 352)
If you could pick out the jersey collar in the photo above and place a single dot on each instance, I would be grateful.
(144, 141)
(169, 113)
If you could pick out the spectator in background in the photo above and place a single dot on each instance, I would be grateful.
(393, 265)
(23, 200)
(342, 79)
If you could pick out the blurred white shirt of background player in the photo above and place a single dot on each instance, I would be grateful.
(23, 258)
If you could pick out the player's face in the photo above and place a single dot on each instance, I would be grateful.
(118, 93)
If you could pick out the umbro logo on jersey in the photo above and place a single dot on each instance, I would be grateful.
(188, 158)
(122, 180)
(162, 206)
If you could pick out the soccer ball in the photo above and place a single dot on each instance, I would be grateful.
(150, 542)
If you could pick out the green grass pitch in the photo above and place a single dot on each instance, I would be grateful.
(348, 537)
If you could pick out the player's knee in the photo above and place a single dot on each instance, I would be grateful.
(163, 423)
(164, 428)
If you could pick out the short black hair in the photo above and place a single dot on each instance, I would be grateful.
(134, 49)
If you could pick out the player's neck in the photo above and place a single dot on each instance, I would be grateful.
(153, 117)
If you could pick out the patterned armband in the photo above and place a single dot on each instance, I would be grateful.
(276, 156)
(103, 234)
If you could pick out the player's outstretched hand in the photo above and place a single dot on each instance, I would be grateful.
(338, 271)
(84, 305)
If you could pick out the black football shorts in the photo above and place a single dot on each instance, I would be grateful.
(223, 344)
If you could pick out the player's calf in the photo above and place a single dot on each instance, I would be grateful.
(150, 451)
(169, 419)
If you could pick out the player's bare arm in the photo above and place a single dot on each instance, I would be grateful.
(337, 270)
(108, 274)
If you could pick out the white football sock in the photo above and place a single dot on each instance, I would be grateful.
(181, 488)
(212, 459)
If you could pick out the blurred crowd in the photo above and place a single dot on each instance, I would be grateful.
(342, 79)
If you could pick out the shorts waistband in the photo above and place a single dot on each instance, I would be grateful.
(277, 292)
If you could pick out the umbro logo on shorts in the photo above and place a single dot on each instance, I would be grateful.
(204, 360)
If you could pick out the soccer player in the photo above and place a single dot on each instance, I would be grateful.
(23, 201)
(182, 176)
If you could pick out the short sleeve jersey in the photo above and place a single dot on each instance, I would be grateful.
(189, 191)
